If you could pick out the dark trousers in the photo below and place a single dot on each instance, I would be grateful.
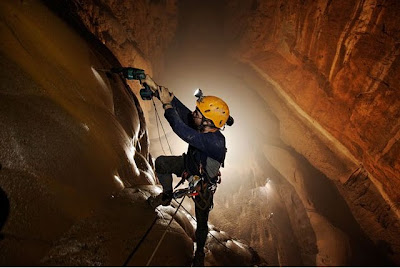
(165, 166)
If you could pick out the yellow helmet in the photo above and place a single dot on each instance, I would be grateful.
(214, 109)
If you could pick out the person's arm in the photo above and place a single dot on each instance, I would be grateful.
(182, 110)
(204, 142)
(170, 101)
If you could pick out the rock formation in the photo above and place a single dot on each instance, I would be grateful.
(75, 168)
(312, 178)
(334, 65)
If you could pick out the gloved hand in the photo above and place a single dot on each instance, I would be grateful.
(165, 96)
(150, 82)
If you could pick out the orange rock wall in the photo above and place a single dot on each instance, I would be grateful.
(339, 61)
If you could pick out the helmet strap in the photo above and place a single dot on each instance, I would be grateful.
(207, 123)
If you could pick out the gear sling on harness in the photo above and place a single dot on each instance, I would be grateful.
(209, 177)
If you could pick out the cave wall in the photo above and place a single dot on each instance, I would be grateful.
(334, 64)
(137, 33)
(339, 62)
(75, 168)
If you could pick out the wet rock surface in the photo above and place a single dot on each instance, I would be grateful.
(74, 151)
(319, 184)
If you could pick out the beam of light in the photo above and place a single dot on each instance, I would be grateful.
(130, 152)
(119, 181)
(99, 78)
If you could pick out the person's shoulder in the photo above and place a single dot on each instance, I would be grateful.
(217, 134)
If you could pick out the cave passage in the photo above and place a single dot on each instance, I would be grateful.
(256, 202)
(311, 173)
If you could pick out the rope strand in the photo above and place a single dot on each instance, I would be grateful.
(208, 231)
(165, 232)
(140, 242)
(159, 118)
(158, 128)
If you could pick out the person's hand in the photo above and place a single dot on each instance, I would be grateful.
(165, 96)
(150, 82)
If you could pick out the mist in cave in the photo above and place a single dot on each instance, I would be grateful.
(256, 202)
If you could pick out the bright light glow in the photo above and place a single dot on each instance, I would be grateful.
(265, 189)
(217, 75)
(198, 93)
(85, 126)
(270, 215)
(130, 152)
(119, 181)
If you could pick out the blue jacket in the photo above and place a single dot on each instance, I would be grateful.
(201, 145)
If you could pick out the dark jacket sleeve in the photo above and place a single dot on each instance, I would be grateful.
(182, 110)
(209, 143)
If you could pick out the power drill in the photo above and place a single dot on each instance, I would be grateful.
(131, 73)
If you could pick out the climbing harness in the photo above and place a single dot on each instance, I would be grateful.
(189, 191)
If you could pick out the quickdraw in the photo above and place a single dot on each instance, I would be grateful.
(192, 190)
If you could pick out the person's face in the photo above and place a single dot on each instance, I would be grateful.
(197, 117)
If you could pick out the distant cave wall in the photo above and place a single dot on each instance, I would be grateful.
(335, 64)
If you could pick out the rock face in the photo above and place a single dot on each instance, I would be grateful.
(335, 64)
(320, 185)
(136, 32)
(75, 168)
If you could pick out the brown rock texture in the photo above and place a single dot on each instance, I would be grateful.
(136, 32)
(75, 167)
(336, 65)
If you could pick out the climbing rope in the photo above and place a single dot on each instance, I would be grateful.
(208, 231)
(158, 119)
(145, 235)
(140, 242)
(165, 232)
(158, 128)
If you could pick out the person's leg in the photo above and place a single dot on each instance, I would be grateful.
(202, 210)
(165, 166)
